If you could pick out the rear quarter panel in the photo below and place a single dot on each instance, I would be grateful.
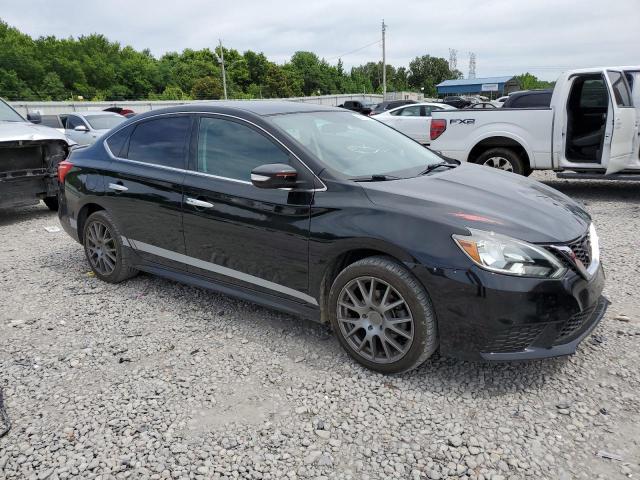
(531, 128)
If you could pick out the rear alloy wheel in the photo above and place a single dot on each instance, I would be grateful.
(103, 249)
(382, 315)
(503, 159)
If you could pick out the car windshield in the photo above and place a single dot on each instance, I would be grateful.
(8, 114)
(104, 122)
(352, 145)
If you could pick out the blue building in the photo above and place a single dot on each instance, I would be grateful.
(489, 86)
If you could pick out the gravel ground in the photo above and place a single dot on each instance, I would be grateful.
(153, 379)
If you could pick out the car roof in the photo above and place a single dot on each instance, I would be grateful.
(256, 107)
(94, 113)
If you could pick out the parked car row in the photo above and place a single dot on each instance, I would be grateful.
(83, 127)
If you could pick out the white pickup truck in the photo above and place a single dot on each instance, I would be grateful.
(589, 130)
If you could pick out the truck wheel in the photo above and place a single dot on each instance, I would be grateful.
(382, 315)
(503, 159)
(51, 202)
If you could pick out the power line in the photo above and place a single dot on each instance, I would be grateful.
(356, 50)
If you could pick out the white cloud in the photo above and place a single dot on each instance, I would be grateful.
(507, 36)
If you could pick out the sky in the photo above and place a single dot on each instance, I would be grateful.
(509, 37)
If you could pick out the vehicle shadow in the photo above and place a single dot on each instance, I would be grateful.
(598, 190)
(11, 216)
(296, 337)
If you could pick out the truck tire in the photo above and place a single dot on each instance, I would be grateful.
(51, 202)
(504, 159)
(382, 315)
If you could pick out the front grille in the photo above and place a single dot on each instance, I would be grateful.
(581, 248)
(575, 323)
(513, 339)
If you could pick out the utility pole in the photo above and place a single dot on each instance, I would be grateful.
(224, 75)
(384, 62)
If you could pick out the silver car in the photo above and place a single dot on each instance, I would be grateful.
(85, 127)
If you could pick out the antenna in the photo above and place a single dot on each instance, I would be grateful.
(472, 65)
(453, 59)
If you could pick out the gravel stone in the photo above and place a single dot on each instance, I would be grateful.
(213, 387)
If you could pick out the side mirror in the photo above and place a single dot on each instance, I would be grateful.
(34, 117)
(274, 175)
(81, 128)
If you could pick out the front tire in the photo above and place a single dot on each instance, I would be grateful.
(104, 250)
(382, 315)
(504, 159)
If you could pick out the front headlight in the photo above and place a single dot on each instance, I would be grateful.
(502, 254)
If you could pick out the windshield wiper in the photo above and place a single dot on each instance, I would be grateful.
(433, 166)
(374, 178)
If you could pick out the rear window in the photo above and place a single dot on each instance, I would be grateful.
(160, 141)
(620, 89)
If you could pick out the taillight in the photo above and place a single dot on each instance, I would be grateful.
(438, 126)
(63, 168)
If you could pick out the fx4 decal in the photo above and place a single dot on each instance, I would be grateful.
(462, 121)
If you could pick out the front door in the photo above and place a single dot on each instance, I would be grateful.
(144, 186)
(236, 233)
(81, 137)
(624, 127)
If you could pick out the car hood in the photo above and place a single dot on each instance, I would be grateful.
(471, 196)
(26, 131)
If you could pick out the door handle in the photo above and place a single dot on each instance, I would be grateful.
(117, 187)
(198, 203)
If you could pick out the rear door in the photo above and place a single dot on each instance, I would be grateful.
(618, 155)
(144, 185)
(633, 79)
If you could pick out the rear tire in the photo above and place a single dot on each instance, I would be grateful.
(503, 159)
(51, 202)
(104, 250)
(380, 336)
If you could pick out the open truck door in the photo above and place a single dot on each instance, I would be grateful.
(622, 124)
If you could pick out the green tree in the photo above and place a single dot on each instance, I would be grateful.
(207, 88)
(427, 71)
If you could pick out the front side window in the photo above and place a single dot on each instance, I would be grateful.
(352, 145)
(620, 89)
(73, 122)
(160, 141)
(231, 150)
(413, 111)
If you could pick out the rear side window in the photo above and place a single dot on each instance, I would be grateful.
(231, 150)
(117, 142)
(594, 94)
(161, 141)
(620, 89)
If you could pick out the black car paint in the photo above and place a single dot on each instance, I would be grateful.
(296, 239)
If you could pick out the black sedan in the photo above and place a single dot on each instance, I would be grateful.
(334, 216)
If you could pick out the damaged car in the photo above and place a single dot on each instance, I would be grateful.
(29, 158)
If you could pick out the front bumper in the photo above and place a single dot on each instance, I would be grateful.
(487, 316)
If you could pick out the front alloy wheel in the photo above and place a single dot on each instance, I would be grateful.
(375, 320)
(382, 315)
